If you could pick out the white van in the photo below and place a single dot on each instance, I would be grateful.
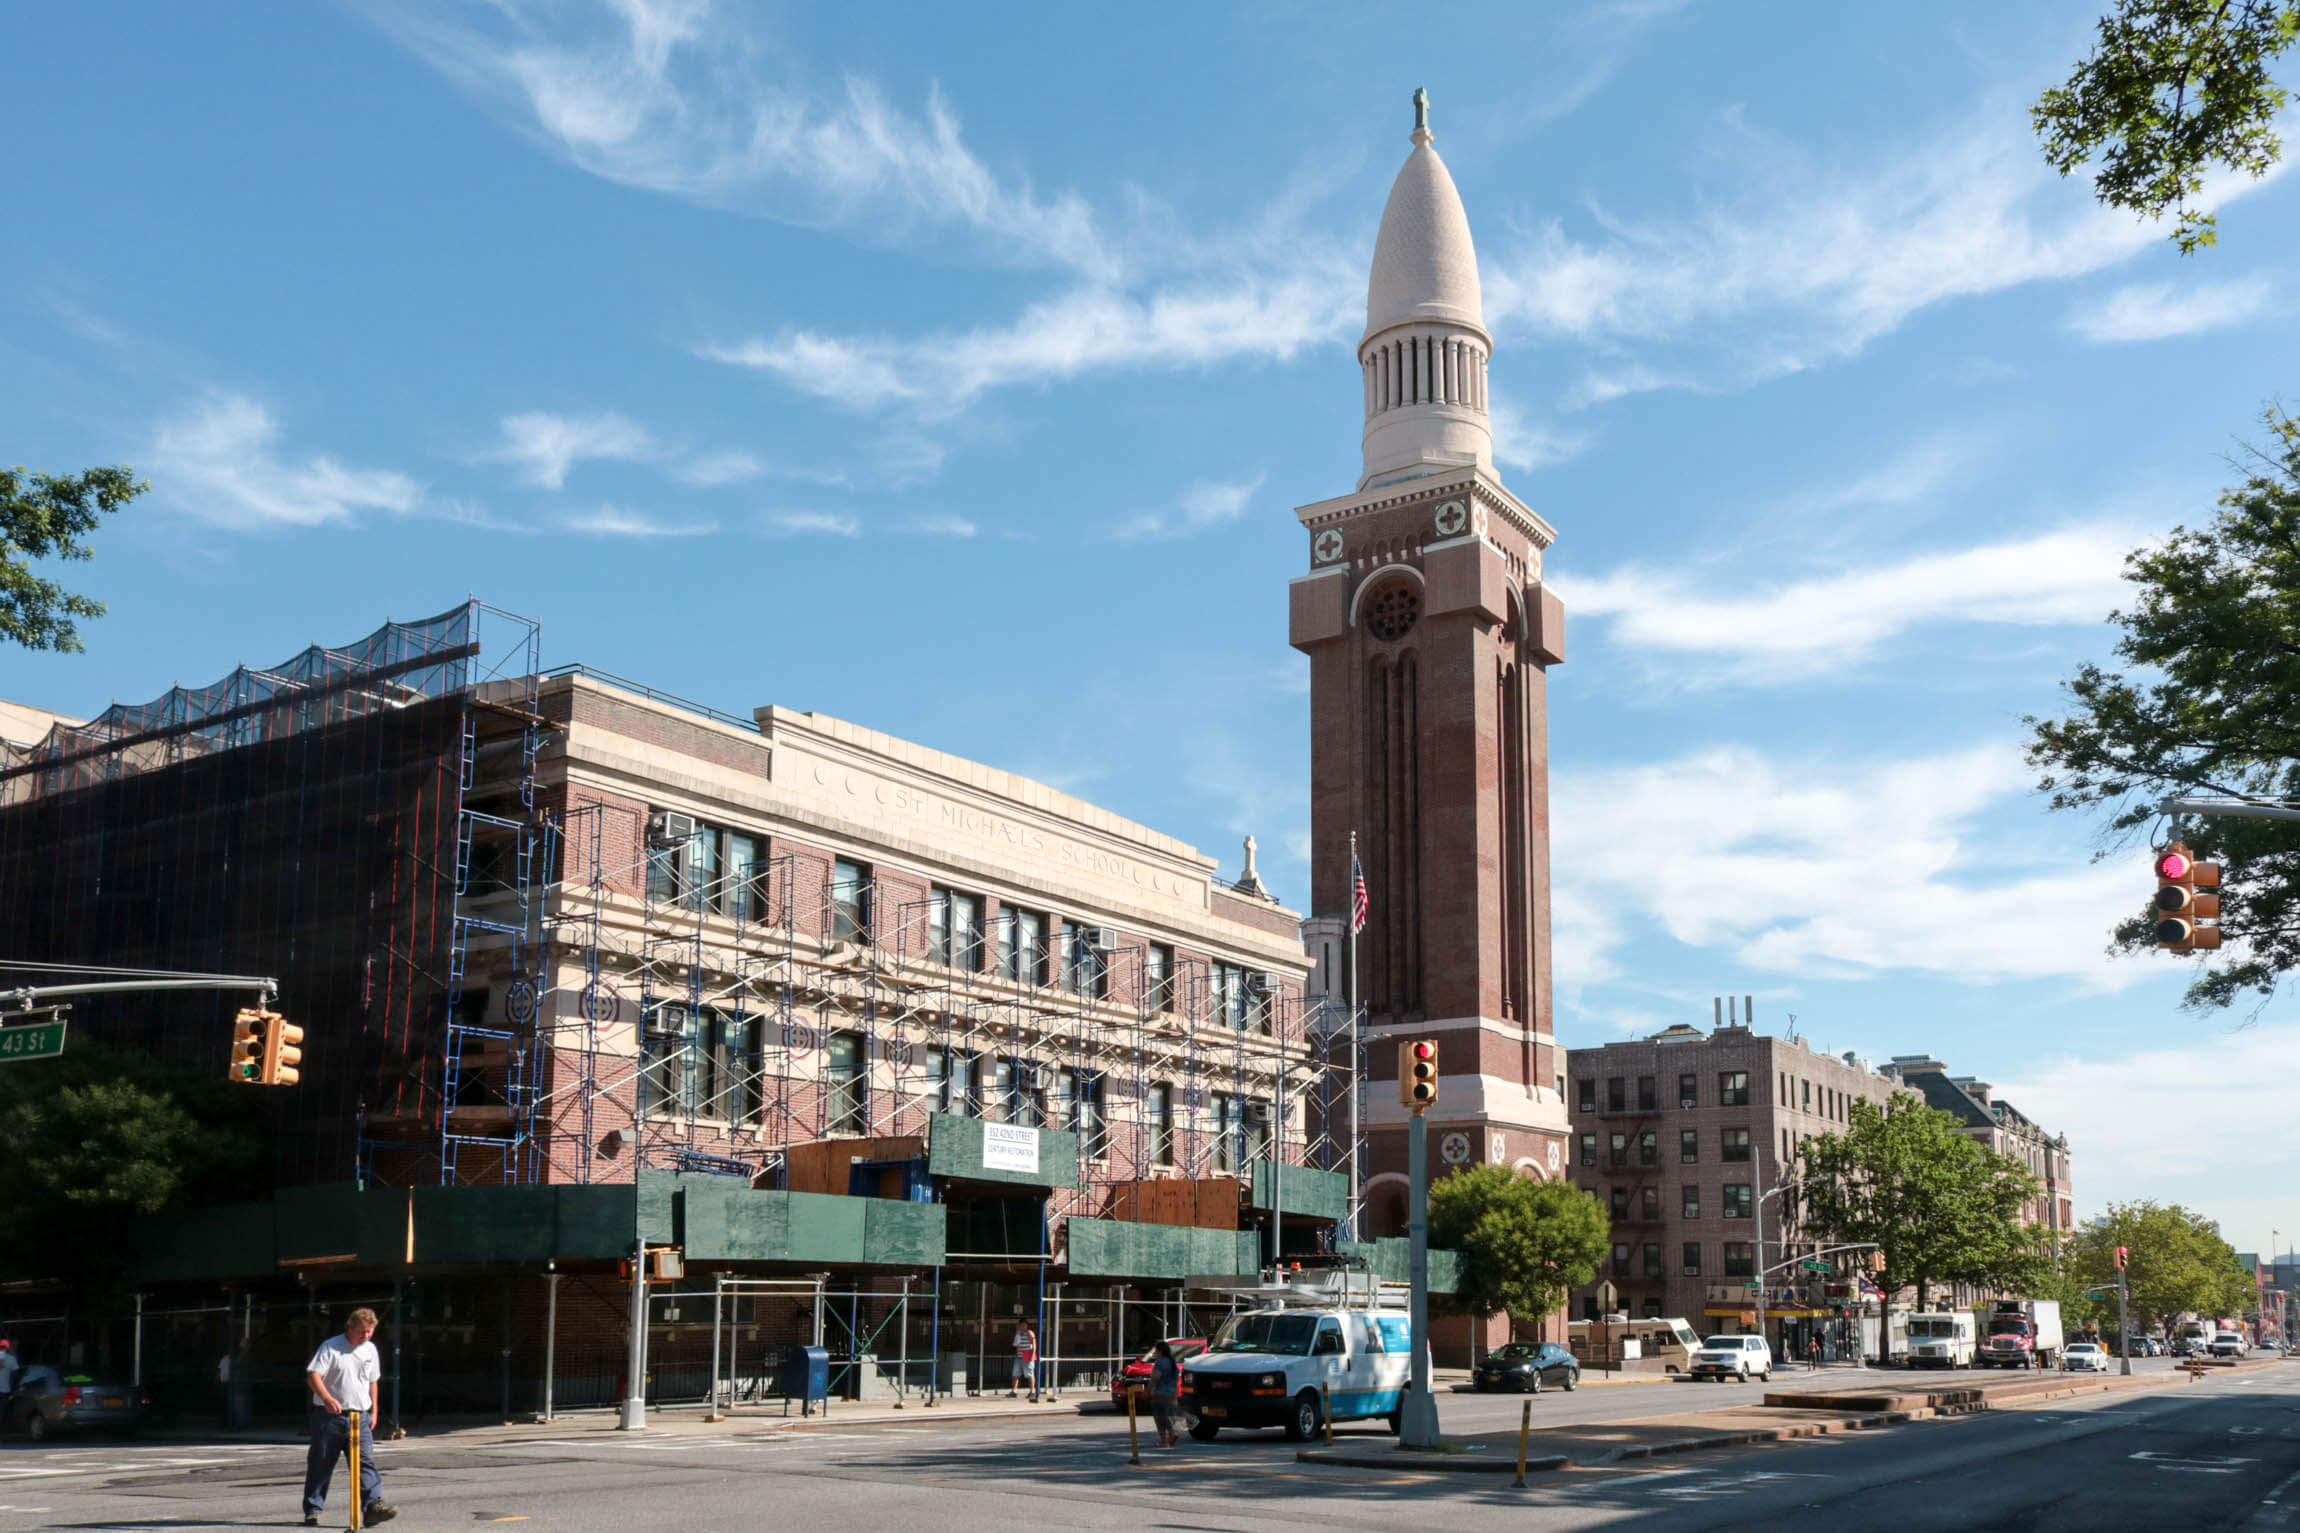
(1941, 1340)
(1266, 1368)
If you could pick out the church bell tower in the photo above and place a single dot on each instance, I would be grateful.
(1430, 636)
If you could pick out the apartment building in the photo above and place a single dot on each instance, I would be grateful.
(1685, 1135)
(1996, 1124)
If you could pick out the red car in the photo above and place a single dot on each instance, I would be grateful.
(1137, 1373)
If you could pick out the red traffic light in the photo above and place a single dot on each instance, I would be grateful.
(2173, 865)
(1425, 1050)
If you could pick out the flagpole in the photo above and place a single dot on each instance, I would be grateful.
(1357, 1056)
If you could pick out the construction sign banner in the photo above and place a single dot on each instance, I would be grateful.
(1007, 1147)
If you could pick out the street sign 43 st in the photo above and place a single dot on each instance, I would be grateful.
(37, 1040)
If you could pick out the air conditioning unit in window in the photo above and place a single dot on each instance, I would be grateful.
(665, 1022)
(1257, 1112)
(1029, 1077)
(1263, 982)
(668, 827)
(1103, 938)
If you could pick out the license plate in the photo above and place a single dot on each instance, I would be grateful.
(114, 1401)
(1213, 1410)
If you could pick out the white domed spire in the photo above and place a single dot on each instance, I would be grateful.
(1425, 347)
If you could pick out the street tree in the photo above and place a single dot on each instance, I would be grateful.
(2172, 90)
(45, 516)
(2206, 699)
(1524, 1243)
(2178, 1262)
(1906, 1178)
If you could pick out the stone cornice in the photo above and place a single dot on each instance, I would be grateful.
(1479, 482)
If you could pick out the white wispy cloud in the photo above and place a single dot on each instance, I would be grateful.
(1794, 261)
(1208, 503)
(789, 524)
(943, 525)
(1824, 867)
(1267, 317)
(1825, 623)
(1531, 446)
(621, 522)
(543, 447)
(682, 98)
(713, 469)
(2154, 311)
(220, 461)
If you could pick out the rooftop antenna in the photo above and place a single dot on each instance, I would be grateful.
(1792, 1036)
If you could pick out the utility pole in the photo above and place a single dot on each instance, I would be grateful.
(2123, 1324)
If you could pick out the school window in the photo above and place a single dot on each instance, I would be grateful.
(1735, 1144)
(954, 930)
(1258, 1130)
(1736, 1200)
(1649, 1202)
(1239, 999)
(1732, 1088)
(673, 1074)
(1022, 947)
(1589, 1149)
(1649, 1148)
(1617, 1094)
(1688, 1146)
(951, 1076)
(1645, 1097)
(1692, 1258)
(1224, 1109)
(1158, 978)
(1652, 1254)
(1688, 1091)
(1078, 1096)
(1585, 1095)
(850, 901)
(686, 874)
(1740, 1258)
(729, 1057)
(1162, 1124)
(746, 877)
(1085, 968)
(1620, 1149)
(845, 1086)
(1691, 1198)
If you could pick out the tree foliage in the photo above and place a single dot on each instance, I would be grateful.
(2179, 1263)
(92, 1141)
(1524, 1243)
(2172, 89)
(1906, 1178)
(2208, 700)
(45, 516)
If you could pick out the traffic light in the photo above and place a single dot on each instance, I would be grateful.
(1877, 1262)
(2120, 1258)
(247, 1046)
(2181, 912)
(281, 1053)
(1417, 1074)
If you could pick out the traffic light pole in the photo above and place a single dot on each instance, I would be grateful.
(2123, 1326)
(1417, 1415)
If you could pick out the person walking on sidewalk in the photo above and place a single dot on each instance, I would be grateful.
(1166, 1394)
(1025, 1359)
(342, 1375)
(1813, 1354)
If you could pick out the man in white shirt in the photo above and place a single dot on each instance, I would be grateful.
(342, 1375)
(8, 1367)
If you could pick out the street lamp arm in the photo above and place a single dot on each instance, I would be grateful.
(1856, 1245)
(30, 996)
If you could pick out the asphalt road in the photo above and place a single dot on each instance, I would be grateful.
(2224, 1453)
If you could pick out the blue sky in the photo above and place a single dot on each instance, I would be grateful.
(960, 382)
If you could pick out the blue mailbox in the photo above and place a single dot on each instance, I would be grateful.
(807, 1376)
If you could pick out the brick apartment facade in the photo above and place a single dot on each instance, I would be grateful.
(1682, 1135)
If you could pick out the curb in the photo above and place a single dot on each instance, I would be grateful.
(1447, 1463)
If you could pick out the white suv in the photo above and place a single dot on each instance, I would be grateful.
(1732, 1357)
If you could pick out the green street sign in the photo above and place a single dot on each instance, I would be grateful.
(1754, 1287)
(1814, 1266)
(38, 1040)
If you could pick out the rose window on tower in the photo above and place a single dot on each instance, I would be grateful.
(1391, 614)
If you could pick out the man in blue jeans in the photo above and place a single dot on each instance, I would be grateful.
(342, 1375)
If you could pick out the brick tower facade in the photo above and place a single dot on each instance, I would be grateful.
(1430, 635)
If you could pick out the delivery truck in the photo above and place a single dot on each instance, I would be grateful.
(2022, 1333)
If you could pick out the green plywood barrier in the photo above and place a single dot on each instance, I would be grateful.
(1109, 1248)
(900, 1234)
(383, 1219)
(593, 1223)
(954, 1147)
(236, 1240)
(1312, 1194)
(311, 1223)
(824, 1228)
(485, 1224)
(1101, 1248)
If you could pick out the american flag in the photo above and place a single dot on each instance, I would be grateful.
(1357, 896)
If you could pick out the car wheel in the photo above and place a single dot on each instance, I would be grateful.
(1302, 1422)
(1766, 1376)
(1204, 1431)
(1744, 1373)
(37, 1428)
(1533, 1382)
(1572, 1380)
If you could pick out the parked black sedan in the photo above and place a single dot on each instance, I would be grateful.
(1528, 1366)
(46, 1403)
